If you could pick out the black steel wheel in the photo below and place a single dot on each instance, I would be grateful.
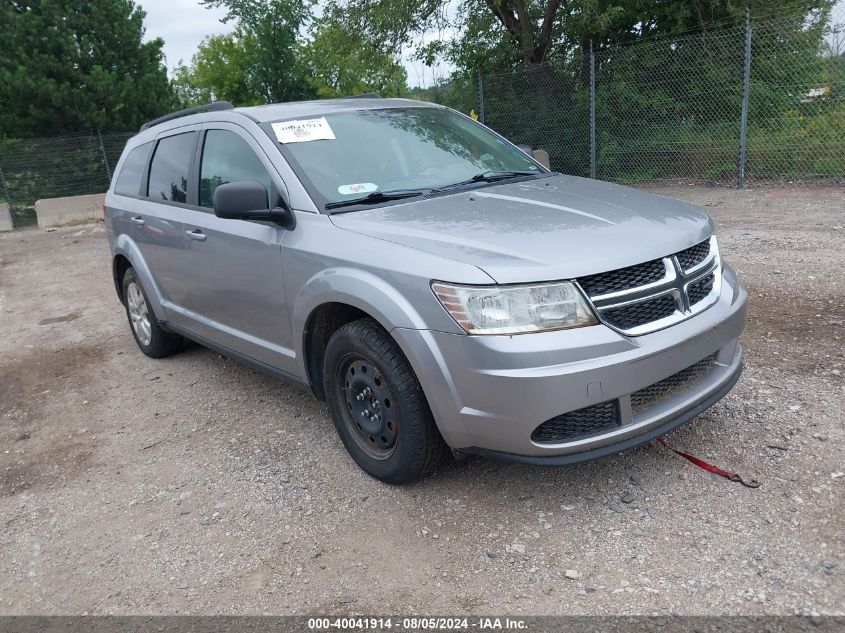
(378, 406)
(369, 406)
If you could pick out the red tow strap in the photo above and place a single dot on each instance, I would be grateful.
(752, 483)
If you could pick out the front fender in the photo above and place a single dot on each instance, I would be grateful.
(124, 245)
(360, 289)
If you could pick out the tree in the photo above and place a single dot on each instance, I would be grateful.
(269, 30)
(267, 59)
(503, 33)
(70, 65)
(220, 69)
(342, 63)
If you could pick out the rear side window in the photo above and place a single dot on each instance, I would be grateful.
(226, 157)
(170, 166)
(128, 181)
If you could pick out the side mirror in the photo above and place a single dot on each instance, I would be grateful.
(247, 200)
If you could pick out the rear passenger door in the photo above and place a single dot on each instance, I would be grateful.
(233, 268)
(156, 222)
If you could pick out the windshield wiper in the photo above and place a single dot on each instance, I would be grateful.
(491, 176)
(377, 196)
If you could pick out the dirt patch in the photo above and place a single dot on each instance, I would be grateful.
(57, 462)
(45, 370)
(34, 392)
(194, 485)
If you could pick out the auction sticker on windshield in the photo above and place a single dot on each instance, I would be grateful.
(302, 130)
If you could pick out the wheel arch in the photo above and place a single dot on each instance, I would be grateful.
(120, 264)
(126, 255)
(334, 298)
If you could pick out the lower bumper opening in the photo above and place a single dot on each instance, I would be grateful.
(604, 417)
(586, 422)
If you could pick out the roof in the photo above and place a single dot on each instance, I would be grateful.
(272, 112)
(297, 109)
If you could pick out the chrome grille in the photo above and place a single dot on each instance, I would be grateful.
(593, 420)
(650, 296)
(681, 381)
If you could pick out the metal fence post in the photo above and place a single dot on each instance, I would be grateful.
(481, 97)
(592, 111)
(746, 89)
(105, 157)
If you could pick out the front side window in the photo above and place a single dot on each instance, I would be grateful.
(226, 157)
(170, 166)
(128, 181)
(348, 154)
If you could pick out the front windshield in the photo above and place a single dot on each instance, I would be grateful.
(394, 149)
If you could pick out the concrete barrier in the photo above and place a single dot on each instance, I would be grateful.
(5, 217)
(72, 210)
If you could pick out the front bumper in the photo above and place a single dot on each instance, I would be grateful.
(489, 393)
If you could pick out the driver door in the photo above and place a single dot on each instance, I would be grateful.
(233, 268)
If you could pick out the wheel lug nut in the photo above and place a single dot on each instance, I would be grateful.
(365, 414)
(376, 418)
(359, 397)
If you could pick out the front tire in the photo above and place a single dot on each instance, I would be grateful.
(378, 406)
(153, 340)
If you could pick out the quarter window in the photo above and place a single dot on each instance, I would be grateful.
(170, 166)
(226, 157)
(128, 181)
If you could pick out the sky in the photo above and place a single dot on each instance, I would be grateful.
(183, 24)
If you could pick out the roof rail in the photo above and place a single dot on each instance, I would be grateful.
(366, 95)
(208, 107)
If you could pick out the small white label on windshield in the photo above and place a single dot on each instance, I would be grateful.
(303, 130)
(361, 187)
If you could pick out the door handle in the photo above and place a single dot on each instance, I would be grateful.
(138, 220)
(196, 234)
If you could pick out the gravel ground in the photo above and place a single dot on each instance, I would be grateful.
(195, 485)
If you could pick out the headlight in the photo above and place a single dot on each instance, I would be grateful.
(515, 309)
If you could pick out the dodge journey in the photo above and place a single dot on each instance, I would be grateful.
(433, 283)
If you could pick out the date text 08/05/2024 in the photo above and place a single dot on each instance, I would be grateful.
(416, 623)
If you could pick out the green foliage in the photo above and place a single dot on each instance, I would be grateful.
(267, 59)
(496, 35)
(270, 65)
(460, 93)
(56, 166)
(341, 64)
(220, 69)
(68, 65)
(669, 107)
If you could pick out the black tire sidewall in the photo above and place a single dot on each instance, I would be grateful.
(162, 343)
(414, 423)
(128, 278)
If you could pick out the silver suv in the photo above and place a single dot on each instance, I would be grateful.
(428, 279)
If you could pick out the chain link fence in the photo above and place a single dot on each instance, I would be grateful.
(31, 169)
(757, 103)
(732, 105)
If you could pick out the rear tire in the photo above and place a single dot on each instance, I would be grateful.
(378, 406)
(153, 340)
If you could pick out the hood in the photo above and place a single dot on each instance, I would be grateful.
(558, 227)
